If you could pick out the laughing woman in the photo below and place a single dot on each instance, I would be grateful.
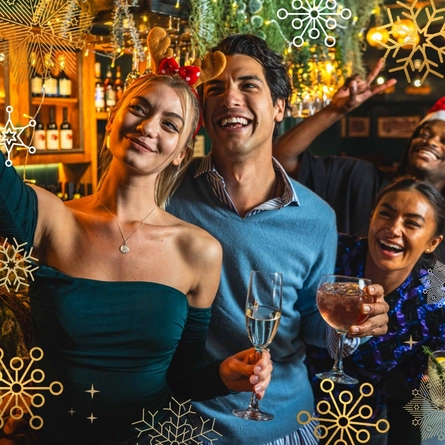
(121, 299)
(405, 229)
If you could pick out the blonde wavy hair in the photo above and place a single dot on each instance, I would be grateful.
(168, 179)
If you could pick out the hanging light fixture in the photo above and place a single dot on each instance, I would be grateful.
(377, 36)
(405, 33)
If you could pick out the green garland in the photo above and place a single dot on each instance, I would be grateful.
(212, 20)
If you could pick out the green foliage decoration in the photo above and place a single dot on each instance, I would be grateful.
(212, 20)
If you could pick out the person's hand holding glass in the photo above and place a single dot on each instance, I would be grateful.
(339, 300)
(263, 313)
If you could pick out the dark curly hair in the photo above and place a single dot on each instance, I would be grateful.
(431, 194)
(275, 70)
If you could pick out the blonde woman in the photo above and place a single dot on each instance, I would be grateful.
(121, 300)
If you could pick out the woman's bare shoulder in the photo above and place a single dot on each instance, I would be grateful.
(195, 243)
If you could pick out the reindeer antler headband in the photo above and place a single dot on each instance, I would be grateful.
(162, 62)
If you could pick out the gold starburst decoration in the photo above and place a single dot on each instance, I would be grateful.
(421, 42)
(177, 429)
(341, 420)
(20, 390)
(35, 31)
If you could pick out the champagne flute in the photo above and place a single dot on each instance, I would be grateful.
(339, 300)
(263, 313)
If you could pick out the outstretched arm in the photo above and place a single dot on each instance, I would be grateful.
(352, 94)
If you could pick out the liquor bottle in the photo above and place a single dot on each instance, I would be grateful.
(99, 91)
(36, 78)
(66, 133)
(52, 132)
(64, 81)
(39, 140)
(110, 94)
(118, 84)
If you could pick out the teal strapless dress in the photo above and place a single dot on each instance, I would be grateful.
(110, 345)
(118, 348)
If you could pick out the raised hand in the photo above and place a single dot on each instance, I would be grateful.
(356, 90)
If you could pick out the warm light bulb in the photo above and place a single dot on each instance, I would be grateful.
(380, 80)
(377, 36)
(417, 83)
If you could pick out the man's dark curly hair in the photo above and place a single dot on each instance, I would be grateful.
(275, 71)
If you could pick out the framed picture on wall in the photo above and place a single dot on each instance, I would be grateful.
(358, 127)
(397, 126)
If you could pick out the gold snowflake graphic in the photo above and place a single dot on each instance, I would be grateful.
(428, 408)
(177, 429)
(17, 396)
(41, 28)
(422, 41)
(315, 18)
(435, 284)
(10, 137)
(15, 265)
(345, 420)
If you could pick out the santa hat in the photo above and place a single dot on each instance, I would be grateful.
(437, 112)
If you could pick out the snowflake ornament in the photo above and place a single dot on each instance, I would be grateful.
(344, 421)
(315, 18)
(42, 28)
(421, 42)
(15, 265)
(435, 284)
(10, 137)
(428, 409)
(20, 393)
(177, 429)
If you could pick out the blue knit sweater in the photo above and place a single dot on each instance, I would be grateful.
(298, 240)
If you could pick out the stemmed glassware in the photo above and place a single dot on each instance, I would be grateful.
(263, 314)
(339, 300)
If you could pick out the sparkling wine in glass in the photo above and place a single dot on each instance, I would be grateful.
(339, 300)
(263, 313)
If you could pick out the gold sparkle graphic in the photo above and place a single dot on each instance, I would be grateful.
(421, 42)
(19, 390)
(16, 265)
(341, 419)
(177, 429)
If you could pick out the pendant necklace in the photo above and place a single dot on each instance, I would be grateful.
(124, 248)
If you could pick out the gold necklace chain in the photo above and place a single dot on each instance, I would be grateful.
(124, 248)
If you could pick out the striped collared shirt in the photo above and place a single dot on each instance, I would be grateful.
(218, 185)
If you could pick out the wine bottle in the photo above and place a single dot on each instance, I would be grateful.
(110, 93)
(39, 140)
(66, 133)
(118, 84)
(99, 91)
(36, 78)
(51, 84)
(64, 87)
(52, 132)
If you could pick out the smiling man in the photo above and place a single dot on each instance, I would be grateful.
(264, 221)
(349, 185)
